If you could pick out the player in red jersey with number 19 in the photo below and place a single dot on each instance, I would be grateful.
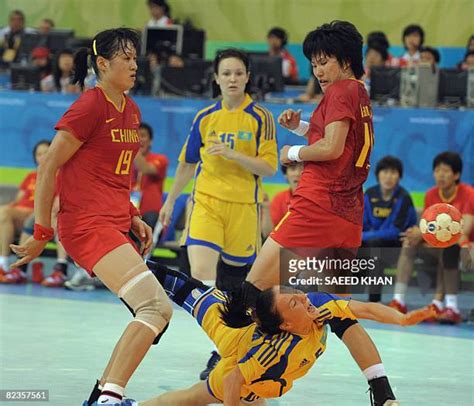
(93, 150)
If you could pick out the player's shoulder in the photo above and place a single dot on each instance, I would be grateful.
(319, 299)
(283, 195)
(465, 190)
(433, 192)
(372, 191)
(90, 100)
(213, 108)
(261, 111)
(132, 103)
(346, 87)
(403, 193)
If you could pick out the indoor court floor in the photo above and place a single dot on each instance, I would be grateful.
(60, 340)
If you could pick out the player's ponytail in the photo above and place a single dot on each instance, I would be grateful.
(267, 317)
(81, 66)
(106, 44)
(236, 313)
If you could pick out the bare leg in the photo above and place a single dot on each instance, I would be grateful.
(361, 347)
(196, 395)
(203, 262)
(265, 270)
(11, 219)
(115, 269)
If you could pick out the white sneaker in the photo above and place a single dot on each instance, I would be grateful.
(80, 282)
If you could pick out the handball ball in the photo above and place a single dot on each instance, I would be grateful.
(440, 225)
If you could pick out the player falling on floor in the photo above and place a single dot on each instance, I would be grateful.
(93, 150)
(326, 210)
(263, 358)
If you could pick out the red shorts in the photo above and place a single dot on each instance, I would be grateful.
(87, 248)
(308, 225)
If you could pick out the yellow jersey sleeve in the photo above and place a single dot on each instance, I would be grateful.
(267, 148)
(331, 306)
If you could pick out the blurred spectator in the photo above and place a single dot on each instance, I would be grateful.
(41, 59)
(468, 62)
(148, 177)
(378, 40)
(14, 214)
(470, 44)
(313, 93)
(61, 78)
(430, 55)
(45, 26)
(175, 61)
(413, 38)
(11, 36)
(160, 13)
(277, 39)
(376, 55)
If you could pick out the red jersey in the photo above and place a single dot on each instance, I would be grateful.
(94, 184)
(280, 205)
(151, 186)
(28, 187)
(336, 185)
(290, 67)
(463, 198)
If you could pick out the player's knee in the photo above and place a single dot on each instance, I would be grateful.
(148, 301)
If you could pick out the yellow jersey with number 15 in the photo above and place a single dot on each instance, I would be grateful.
(250, 130)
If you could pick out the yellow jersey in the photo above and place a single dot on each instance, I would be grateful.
(250, 130)
(271, 363)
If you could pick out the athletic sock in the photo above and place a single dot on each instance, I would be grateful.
(4, 262)
(400, 291)
(452, 302)
(111, 394)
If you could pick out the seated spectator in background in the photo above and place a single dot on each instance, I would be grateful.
(277, 39)
(430, 55)
(40, 58)
(13, 215)
(313, 93)
(12, 35)
(413, 38)
(468, 62)
(175, 61)
(61, 78)
(388, 207)
(160, 13)
(276, 210)
(447, 169)
(378, 39)
(388, 211)
(45, 26)
(148, 176)
(376, 56)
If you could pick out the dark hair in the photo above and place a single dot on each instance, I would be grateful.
(284, 168)
(378, 48)
(49, 21)
(18, 13)
(57, 74)
(389, 162)
(413, 29)
(432, 51)
(339, 39)
(37, 145)
(107, 43)
(160, 3)
(267, 317)
(452, 159)
(379, 38)
(148, 128)
(280, 33)
(230, 53)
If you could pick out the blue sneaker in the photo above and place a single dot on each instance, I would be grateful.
(129, 402)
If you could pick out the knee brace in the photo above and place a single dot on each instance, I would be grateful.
(148, 302)
(185, 291)
(230, 277)
(339, 326)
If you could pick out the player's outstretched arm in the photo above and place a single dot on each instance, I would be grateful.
(384, 314)
(232, 385)
(63, 147)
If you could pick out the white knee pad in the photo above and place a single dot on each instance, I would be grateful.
(148, 300)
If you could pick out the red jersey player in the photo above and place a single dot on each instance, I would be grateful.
(326, 210)
(447, 169)
(14, 214)
(148, 177)
(93, 150)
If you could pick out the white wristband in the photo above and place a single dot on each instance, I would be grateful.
(302, 129)
(294, 153)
